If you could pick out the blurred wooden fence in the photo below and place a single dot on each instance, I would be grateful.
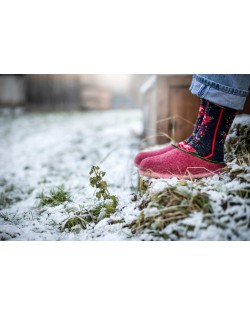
(52, 90)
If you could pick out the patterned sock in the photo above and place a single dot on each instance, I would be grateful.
(198, 122)
(209, 140)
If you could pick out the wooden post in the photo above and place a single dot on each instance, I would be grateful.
(170, 110)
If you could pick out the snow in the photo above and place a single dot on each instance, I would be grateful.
(242, 119)
(41, 151)
(158, 185)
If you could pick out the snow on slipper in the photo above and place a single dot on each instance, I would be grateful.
(180, 164)
(143, 155)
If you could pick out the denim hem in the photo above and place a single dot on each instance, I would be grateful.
(218, 96)
(221, 87)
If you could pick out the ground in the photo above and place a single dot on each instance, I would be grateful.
(45, 191)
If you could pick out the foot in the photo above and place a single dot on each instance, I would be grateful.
(143, 155)
(180, 164)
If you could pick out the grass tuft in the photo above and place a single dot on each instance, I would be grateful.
(237, 145)
(172, 204)
(4, 201)
(56, 197)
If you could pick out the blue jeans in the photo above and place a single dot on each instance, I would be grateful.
(228, 90)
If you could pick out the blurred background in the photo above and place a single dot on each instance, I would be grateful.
(168, 108)
(69, 91)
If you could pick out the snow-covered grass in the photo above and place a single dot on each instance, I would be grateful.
(45, 191)
(45, 160)
(214, 208)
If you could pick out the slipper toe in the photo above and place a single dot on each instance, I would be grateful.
(143, 155)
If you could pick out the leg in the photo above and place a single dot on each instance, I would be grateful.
(210, 138)
(203, 155)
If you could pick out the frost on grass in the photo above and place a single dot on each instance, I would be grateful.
(54, 198)
(207, 209)
(47, 193)
(39, 153)
(215, 208)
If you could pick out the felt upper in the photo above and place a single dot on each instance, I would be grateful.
(180, 164)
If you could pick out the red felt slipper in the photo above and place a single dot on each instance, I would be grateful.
(143, 155)
(180, 164)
